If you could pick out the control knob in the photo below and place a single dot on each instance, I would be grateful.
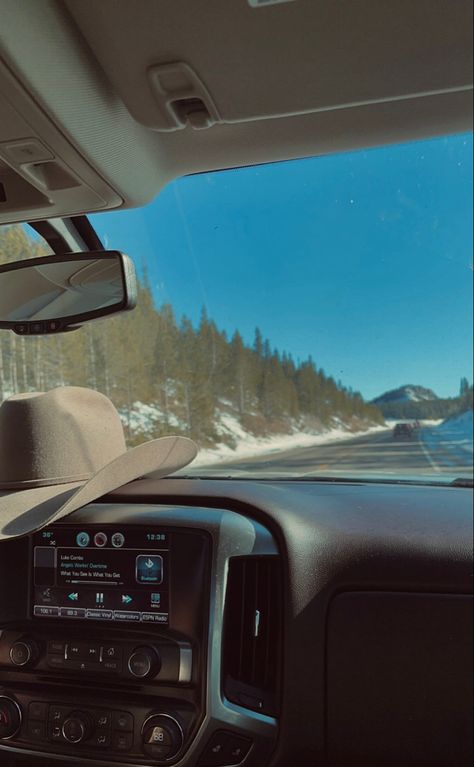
(77, 727)
(162, 737)
(24, 652)
(10, 717)
(144, 662)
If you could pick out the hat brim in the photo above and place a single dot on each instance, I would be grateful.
(26, 511)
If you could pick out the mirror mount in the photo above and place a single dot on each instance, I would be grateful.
(57, 294)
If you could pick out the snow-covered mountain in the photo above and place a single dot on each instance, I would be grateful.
(407, 393)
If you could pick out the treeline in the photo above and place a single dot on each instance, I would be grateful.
(150, 356)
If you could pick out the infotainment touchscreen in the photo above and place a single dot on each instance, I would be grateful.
(106, 574)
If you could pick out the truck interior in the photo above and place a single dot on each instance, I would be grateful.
(293, 609)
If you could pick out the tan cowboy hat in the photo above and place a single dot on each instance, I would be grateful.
(63, 449)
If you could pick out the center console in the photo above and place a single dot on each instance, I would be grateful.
(113, 650)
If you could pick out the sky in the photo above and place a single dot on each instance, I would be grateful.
(362, 260)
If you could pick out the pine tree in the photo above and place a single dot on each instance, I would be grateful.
(185, 373)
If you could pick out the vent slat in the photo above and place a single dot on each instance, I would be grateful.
(252, 632)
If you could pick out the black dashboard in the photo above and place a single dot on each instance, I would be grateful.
(225, 622)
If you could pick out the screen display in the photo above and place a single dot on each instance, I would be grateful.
(106, 574)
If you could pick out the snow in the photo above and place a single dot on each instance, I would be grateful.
(424, 422)
(408, 393)
(143, 417)
(451, 442)
(249, 446)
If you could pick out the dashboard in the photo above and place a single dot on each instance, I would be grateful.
(225, 622)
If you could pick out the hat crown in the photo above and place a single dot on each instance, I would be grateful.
(50, 438)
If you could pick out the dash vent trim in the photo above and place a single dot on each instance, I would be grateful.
(252, 643)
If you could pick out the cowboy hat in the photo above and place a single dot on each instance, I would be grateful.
(63, 449)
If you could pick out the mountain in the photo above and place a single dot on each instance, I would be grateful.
(418, 402)
(407, 393)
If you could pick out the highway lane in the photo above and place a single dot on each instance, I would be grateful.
(376, 453)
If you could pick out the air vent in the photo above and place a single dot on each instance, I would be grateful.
(252, 633)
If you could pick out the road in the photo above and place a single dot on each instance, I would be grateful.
(377, 453)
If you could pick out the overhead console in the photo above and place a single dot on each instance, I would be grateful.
(42, 174)
(94, 117)
(114, 646)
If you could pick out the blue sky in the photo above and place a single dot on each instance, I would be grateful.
(363, 260)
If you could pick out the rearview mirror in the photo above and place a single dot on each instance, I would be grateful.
(57, 293)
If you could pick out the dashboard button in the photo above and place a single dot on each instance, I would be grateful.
(122, 720)
(126, 615)
(162, 736)
(101, 738)
(225, 748)
(56, 647)
(57, 714)
(122, 741)
(139, 664)
(83, 651)
(100, 615)
(55, 733)
(56, 661)
(73, 730)
(102, 719)
(77, 727)
(24, 652)
(111, 652)
(44, 611)
(236, 749)
(72, 612)
(36, 730)
(144, 662)
(38, 710)
(213, 754)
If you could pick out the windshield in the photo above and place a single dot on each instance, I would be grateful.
(310, 318)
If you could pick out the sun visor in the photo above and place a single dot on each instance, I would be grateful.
(241, 61)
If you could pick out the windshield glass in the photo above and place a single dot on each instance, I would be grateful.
(304, 318)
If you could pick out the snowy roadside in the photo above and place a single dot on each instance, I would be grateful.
(454, 435)
(249, 446)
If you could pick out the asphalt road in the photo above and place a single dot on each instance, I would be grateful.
(379, 453)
